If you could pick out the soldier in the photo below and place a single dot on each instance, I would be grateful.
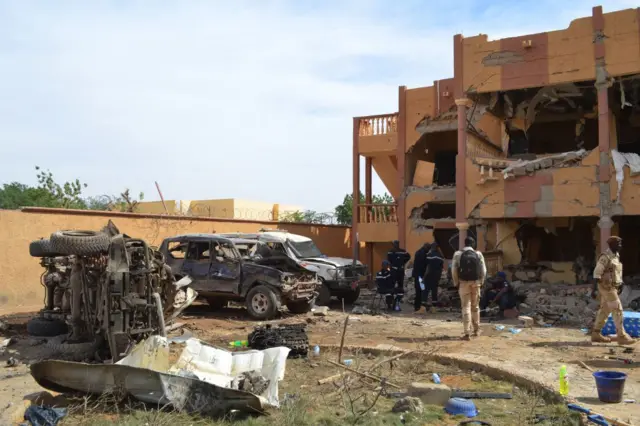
(469, 271)
(608, 279)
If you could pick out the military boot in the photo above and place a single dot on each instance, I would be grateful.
(625, 339)
(597, 337)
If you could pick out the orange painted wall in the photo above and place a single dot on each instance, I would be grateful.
(555, 57)
(20, 289)
(419, 103)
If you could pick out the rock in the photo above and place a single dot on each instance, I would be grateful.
(408, 404)
(359, 310)
(430, 393)
(321, 311)
(4, 326)
(527, 322)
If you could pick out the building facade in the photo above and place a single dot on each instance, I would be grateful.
(226, 208)
(532, 147)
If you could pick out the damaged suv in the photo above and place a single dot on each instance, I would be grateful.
(106, 289)
(213, 266)
(340, 276)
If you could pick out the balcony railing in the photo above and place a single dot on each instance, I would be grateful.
(378, 213)
(378, 124)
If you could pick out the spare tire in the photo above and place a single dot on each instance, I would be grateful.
(81, 243)
(41, 327)
(78, 352)
(42, 248)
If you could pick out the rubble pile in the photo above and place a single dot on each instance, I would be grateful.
(554, 303)
(292, 336)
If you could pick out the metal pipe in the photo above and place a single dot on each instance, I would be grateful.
(160, 313)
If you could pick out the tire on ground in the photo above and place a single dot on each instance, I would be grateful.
(41, 327)
(217, 303)
(300, 306)
(78, 352)
(81, 243)
(351, 296)
(324, 296)
(41, 248)
(262, 303)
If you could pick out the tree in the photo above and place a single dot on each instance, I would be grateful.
(16, 195)
(67, 196)
(344, 212)
(307, 216)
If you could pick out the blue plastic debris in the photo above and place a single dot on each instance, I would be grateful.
(630, 322)
(44, 416)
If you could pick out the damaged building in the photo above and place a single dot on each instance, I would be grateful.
(532, 148)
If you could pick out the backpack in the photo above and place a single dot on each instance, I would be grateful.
(469, 266)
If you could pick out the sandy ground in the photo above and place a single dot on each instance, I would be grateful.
(535, 353)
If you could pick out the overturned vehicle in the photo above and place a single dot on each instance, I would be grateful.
(214, 267)
(105, 291)
(340, 277)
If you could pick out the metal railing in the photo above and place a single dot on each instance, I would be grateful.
(378, 124)
(378, 213)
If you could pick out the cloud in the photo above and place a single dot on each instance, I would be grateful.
(213, 99)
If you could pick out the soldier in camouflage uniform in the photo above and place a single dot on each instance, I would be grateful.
(608, 279)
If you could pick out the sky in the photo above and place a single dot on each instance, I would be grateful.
(225, 99)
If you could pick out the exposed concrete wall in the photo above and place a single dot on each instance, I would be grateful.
(550, 58)
(20, 289)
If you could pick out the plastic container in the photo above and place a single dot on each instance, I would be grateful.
(564, 381)
(348, 362)
(610, 385)
(316, 350)
(436, 378)
(458, 406)
(239, 344)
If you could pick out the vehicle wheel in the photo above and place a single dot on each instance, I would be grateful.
(41, 327)
(324, 295)
(217, 303)
(73, 351)
(635, 304)
(262, 303)
(41, 248)
(300, 307)
(81, 243)
(351, 296)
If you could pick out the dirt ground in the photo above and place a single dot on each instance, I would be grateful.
(534, 353)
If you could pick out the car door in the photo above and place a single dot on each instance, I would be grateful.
(197, 264)
(226, 267)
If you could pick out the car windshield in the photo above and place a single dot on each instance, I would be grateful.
(304, 249)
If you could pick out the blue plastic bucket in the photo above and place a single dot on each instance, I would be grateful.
(457, 406)
(610, 385)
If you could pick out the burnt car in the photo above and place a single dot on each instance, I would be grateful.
(215, 269)
(105, 291)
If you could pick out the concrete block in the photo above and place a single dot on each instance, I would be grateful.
(321, 311)
(430, 393)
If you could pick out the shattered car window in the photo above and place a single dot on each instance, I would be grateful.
(199, 251)
(177, 250)
(305, 249)
(224, 251)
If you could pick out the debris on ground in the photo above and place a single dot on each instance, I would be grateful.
(204, 380)
(320, 311)
(408, 404)
(430, 393)
(292, 336)
(38, 415)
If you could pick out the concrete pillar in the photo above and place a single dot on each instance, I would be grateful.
(461, 219)
(605, 224)
(355, 245)
(400, 156)
(368, 197)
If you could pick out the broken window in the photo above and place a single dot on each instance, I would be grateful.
(434, 155)
(557, 243)
(438, 211)
(177, 250)
(199, 251)
(629, 230)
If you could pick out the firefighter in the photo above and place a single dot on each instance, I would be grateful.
(398, 258)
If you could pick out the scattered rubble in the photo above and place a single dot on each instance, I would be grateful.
(292, 336)
(430, 393)
(408, 404)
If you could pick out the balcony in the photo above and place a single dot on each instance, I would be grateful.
(377, 222)
(378, 135)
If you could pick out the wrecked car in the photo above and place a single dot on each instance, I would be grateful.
(213, 266)
(106, 289)
(339, 276)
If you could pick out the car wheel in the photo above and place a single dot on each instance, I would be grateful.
(324, 295)
(41, 327)
(300, 306)
(80, 243)
(216, 303)
(262, 303)
(41, 248)
(351, 296)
